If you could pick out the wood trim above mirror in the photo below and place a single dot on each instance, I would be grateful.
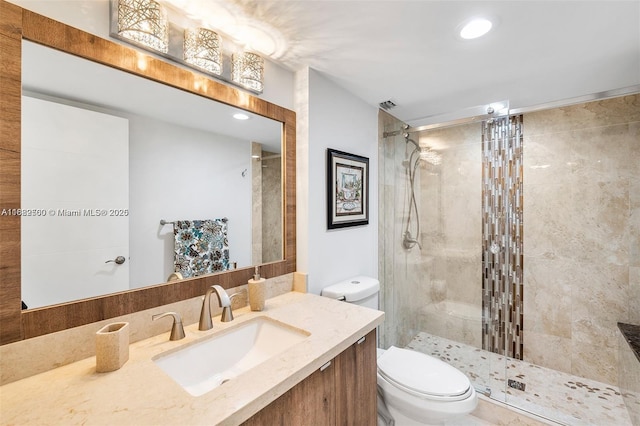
(17, 23)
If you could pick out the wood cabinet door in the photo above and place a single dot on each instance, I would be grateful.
(356, 383)
(343, 393)
(311, 402)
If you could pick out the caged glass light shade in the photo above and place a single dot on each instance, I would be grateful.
(144, 22)
(202, 49)
(247, 70)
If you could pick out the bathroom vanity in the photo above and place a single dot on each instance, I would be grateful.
(328, 375)
(340, 392)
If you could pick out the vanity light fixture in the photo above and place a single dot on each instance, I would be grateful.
(144, 22)
(202, 49)
(161, 27)
(247, 70)
(475, 28)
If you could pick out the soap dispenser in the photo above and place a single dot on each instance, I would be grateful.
(256, 291)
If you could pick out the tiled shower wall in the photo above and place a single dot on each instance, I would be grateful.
(581, 236)
(418, 284)
(451, 217)
(403, 274)
(266, 196)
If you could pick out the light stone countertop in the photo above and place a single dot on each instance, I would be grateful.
(141, 394)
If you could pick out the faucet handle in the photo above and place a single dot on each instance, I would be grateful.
(177, 330)
(227, 312)
(234, 295)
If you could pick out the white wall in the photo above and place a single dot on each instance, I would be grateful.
(337, 120)
(179, 173)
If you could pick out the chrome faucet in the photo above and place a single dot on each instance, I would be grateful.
(177, 330)
(224, 301)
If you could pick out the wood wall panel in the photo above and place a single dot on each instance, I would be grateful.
(17, 23)
(10, 90)
(289, 194)
(10, 21)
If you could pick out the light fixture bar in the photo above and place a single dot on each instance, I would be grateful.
(148, 25)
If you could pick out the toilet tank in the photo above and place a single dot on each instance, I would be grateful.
(360, 290)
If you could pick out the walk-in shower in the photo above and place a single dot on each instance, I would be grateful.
(529, 233)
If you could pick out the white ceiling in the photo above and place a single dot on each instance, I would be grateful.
(409, 52)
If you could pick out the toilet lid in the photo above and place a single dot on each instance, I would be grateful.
(422, 374)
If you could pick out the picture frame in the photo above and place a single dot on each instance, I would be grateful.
(347, 189)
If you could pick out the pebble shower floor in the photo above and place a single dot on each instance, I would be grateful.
(558, 396)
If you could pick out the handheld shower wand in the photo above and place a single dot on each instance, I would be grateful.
(408, 240)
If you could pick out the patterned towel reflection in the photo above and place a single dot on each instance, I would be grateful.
(201, 246)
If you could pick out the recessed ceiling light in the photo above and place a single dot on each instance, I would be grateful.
(475, 28)
(240, 116)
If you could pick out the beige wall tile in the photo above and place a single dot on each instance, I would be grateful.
(548, 351)
(593, 362)
(547, 298)
(582, 204)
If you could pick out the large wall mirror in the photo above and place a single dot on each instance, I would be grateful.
(110, 148)
(111, 161)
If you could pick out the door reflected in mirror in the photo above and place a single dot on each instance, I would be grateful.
(107, 155)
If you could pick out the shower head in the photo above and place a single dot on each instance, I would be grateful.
(407, 139)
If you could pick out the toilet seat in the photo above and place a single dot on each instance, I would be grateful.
(423, 376)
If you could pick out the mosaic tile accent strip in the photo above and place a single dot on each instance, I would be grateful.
(502, 256)
(558, 396)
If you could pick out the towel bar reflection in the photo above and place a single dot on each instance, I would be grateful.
(165, 222)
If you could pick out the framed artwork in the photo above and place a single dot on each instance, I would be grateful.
(347, 189)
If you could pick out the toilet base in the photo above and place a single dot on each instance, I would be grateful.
(408, 410)
(402, 420)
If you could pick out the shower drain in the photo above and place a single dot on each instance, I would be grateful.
(516, 384)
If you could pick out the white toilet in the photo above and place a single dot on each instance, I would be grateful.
(416, 389)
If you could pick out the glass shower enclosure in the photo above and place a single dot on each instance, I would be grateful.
(562, 182)
(433, 294)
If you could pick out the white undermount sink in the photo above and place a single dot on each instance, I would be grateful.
(207, 363)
